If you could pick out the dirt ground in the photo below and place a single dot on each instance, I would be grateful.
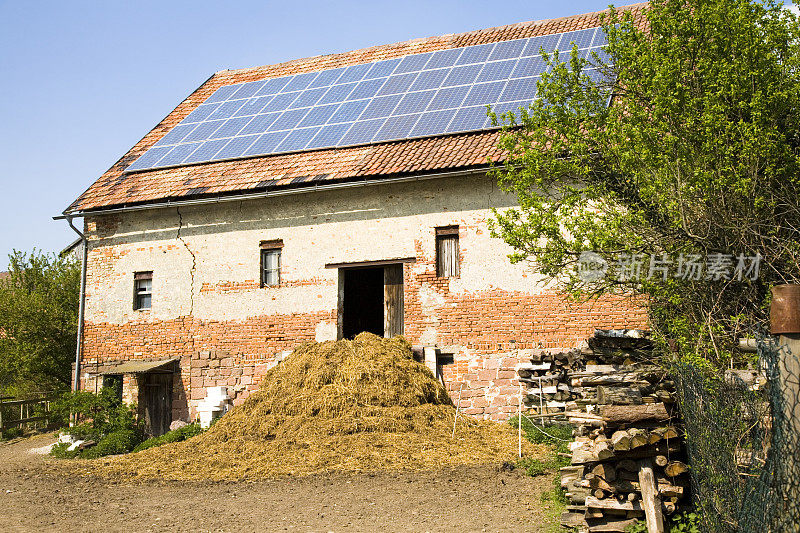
(37, 495)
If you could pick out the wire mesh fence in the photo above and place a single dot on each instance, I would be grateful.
(743, 441)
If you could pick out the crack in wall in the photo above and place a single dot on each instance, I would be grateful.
(194, 261)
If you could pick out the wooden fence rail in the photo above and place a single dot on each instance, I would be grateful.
(26, 408)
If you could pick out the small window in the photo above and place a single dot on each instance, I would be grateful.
(271, 263)
(142, 290)
(447, 252)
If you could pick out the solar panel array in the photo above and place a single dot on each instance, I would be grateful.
(417, 95)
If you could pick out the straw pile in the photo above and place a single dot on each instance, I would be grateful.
(344, 406)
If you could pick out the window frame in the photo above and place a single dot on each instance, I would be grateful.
(275, 247)
(448, 233)
(139, 294)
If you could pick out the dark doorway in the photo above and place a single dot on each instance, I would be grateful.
(363, 301)
(157, 402)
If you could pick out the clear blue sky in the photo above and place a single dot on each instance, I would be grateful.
(82, 82)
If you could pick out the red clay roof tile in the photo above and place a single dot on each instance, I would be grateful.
(434, 154)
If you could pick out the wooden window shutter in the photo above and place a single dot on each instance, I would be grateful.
(447, 252)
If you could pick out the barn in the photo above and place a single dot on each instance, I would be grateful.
(316, 199)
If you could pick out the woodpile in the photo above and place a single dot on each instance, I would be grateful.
(624, 466)
(611, 369)
(628, 462)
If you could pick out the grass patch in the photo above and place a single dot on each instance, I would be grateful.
(557, 439)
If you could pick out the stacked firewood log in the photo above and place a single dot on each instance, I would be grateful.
(631, 457)
(628, 456)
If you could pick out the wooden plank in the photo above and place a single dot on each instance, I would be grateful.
(393, 300)
(24, 402)
(380, 262)
(619, 395)
(612, 504)
(651, 501)
(613, 526)
(629, 414)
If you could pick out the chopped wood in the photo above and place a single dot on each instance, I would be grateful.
(619, 395)
(621, 441)
(534, 367)
(670, 491)
(661, 460)
(570, 474)
(610, 504)
(639, 437)
(652, 450)
(675, 468)
(606, 471)
(577, 495)
(619, 378)
(603, 450)
(537, 379)
(613, 526)
(669, 433)
(628, 414)
(593, 422)
(573, 519)
(650, 499)
(603, 369)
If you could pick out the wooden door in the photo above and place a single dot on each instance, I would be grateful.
(393, 300)
(157, 403)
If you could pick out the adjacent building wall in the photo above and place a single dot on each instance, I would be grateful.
(208, 307)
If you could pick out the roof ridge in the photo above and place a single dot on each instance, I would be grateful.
(420, 40)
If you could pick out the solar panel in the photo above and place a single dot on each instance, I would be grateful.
(418, 95)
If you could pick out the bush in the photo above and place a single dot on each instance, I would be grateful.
(679, 523)
(177, 435)
(120, 441)
(11, 433)
(95, 414)
(61, 451)
(103, 418)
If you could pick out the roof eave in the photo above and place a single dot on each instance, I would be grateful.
(284, 191)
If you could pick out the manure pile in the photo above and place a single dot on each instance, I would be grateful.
(344, 406)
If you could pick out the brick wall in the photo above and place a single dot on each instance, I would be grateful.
(209, 310)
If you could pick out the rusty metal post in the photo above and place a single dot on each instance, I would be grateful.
(785, 322)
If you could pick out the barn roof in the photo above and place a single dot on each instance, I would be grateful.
(462, 151)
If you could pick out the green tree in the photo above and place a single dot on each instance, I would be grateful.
(38, 322)
(698, 154)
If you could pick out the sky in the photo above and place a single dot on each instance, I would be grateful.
(82, 82)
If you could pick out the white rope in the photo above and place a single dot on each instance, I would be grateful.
(519, 423)
(546, 433)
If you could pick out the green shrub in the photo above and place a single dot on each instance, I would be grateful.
(95, 414)
(680, 523)
(101, 417)
(120, 441)
(177, 435)
(61, 451)
(11, 433)
(685, 523)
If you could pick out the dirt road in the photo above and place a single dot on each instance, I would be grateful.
(37, 495)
